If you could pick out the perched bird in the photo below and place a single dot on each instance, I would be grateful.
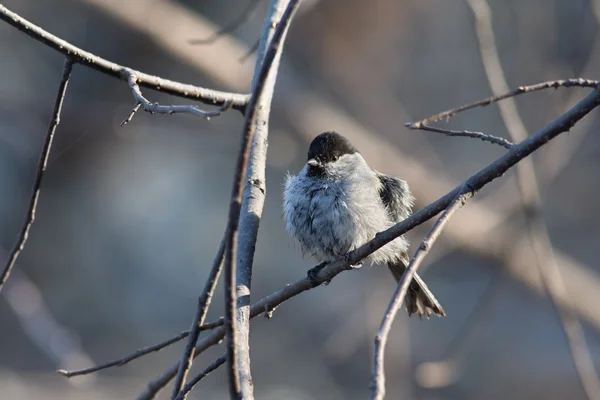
(337, 203)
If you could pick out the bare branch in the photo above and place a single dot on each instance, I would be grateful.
(496, 169)
(578, 82)
(141, 352)
(203, 304)
(208, 96)
(131, 114)
(124, 360)
(248, 13)
(475, 135)
(189, 386)
(39, 174)
(255, 180)
(156, 108)
(378, 378)
(529, 188)
(263, 82)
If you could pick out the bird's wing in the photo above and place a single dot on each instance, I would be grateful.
(396, 197)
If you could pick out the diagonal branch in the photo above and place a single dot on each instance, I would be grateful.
(578, 82)
(494, 170)
(125, 360)
(207, 96)
(41, 169)
(378, 378)
(190, 385)
(203, 303)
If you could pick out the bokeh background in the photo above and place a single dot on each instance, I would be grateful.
(130, 217)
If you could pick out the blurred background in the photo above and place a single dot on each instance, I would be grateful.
(130, 218)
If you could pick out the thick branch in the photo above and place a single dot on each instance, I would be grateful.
(255, 190)
(252, 120)
(207, 96)
(378, 378)
(41, 168)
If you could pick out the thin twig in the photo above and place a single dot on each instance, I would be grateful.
(578, 82)
(378, 378)
(207, 96)
(475, 135)
(39, 174)
(190, 385)
(124, 360)
(248, 13)
(261, 80)
(204, 301)
(131, 114)
(494, 170)
(141, 352)
(529, 188)
(152, 108)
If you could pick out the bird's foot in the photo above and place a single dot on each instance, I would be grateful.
(357, 265)
(313, 272)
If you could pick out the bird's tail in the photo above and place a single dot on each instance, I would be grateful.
(419, 298)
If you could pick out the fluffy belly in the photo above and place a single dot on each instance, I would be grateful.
(323, 224)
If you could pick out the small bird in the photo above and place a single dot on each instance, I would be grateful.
(337, 203)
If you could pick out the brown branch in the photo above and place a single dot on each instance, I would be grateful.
(475, 135)
(494, 170)
(529, 188)
(80, 56)
(248, 13)
(378, 378)
(41, 169)
(190, 385)
(578, 82)
(203, 304)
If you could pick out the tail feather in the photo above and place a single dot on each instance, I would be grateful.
(419, 298)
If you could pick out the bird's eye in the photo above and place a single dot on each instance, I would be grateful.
(335, 158)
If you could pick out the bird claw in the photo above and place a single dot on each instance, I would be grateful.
(313, 272)
(353, 266)
(357, 265)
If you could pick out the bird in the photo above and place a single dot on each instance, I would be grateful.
(337, 202)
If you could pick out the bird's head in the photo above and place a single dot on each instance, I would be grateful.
(332, 155)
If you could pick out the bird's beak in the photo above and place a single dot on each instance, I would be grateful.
(313, 163)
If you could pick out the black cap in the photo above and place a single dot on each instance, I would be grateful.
(329, 146)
